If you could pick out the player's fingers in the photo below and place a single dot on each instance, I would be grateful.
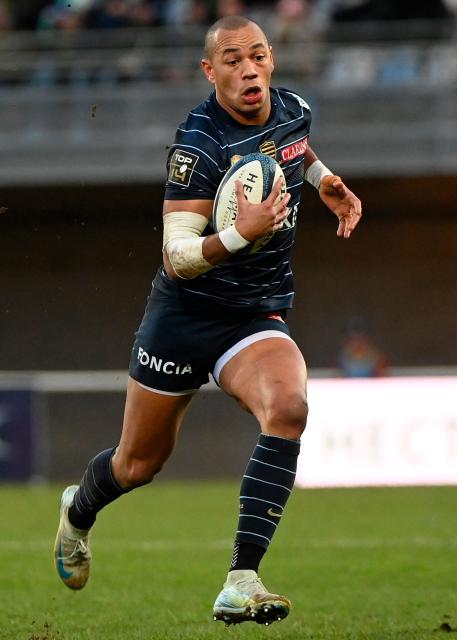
(341, 228)
(280, 220)
(239, 190)
(349, 222)
(350, 225)
(275, 192)
(280, 217)
(281, 206)
(279, 224)
(355, 216)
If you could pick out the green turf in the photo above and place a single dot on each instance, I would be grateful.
(373, 564)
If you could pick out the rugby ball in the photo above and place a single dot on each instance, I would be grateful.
(258, 173)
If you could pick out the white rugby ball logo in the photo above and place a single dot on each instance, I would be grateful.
(258, 173)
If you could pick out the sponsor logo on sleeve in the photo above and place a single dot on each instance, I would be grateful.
(182, 165)
(294, 150)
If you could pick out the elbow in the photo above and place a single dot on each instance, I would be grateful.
(183, 259)
(171, 273)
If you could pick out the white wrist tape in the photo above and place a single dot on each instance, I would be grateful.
(232, 240)
(315, 172)
(183, 244)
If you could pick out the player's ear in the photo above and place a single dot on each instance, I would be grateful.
(208, 70)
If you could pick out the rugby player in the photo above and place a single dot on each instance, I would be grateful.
(218, 307)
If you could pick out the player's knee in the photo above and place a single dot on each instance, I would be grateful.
(137, 472)
(286, 417)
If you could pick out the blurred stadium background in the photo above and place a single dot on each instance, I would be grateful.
(90, 95)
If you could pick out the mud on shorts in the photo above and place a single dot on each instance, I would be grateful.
(177, 347)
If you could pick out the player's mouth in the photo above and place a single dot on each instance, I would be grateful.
(252, 95)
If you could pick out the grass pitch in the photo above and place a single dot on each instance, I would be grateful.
(374, 564)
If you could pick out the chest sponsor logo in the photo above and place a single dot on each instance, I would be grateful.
(268, 148)
(294, 150)
(159, 364)
(182, 165)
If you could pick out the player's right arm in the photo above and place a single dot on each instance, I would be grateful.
(187, 254)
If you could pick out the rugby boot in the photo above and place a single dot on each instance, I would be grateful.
(244, 598)
(72, 555)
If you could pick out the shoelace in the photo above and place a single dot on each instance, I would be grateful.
(79, 552)
(257, 582)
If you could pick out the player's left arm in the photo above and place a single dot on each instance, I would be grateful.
(334, 193)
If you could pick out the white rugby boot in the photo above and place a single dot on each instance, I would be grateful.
(72, 555)
(244, 598)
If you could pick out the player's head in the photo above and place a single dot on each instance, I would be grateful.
(239, 62)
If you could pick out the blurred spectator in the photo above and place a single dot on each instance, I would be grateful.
(359, 357)
(201, 13)
(110, 14)
(230, 8)
(348, 10)
(451, 6)
(144, 14)
(291, 17)
(66, 15)
(6, 21)
(176, 12)
(285, 16)
(290, 11)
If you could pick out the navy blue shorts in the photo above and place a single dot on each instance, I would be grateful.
(178, 346)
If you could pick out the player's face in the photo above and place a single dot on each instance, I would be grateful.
(240, 67)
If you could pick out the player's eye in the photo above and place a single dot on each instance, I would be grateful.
(232, 63)
(259, 57)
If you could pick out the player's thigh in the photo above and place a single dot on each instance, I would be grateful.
(151, 422)
(269, 379)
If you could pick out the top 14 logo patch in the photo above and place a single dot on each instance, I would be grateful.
(182, 165)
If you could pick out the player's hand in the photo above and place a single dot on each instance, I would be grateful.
(256, 220)
(344, 204)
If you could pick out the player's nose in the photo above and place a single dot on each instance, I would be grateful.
(248, 70)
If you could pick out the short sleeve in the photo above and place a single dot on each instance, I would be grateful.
(193, 167)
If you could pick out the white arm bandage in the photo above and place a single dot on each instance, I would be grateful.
(183, 243)
(315, 172)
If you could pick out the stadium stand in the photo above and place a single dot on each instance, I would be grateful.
(64, 92)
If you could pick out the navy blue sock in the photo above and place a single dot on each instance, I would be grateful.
(246, 556)
(265, 489)
(97, 489)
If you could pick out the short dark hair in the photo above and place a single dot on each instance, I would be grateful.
(231, 23)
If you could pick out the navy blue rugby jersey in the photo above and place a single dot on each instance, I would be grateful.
(201, 154)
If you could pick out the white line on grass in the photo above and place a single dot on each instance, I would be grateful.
(175, 545)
